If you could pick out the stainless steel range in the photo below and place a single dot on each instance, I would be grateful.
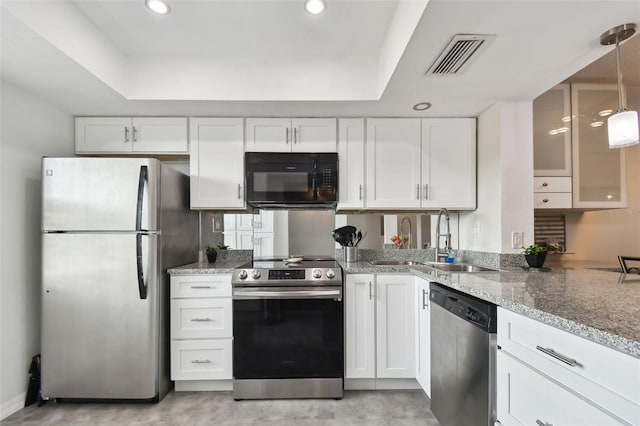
(288, 329)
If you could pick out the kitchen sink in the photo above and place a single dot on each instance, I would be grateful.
(395, 262)
(459, 267)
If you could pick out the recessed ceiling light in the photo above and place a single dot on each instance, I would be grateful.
(605, 112)
(559, 131)
(566, 118)
(158, 6)
(422, 106)
(597, 123)
(315, 7)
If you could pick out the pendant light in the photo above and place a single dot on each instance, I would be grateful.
(623, 125)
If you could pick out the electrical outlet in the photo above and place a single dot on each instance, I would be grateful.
(516, 240)
(475, 231)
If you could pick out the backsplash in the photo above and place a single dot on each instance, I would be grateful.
(480, 258)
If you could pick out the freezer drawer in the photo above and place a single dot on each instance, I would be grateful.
(99, 337)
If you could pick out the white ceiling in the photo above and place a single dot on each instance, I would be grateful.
(268, 58)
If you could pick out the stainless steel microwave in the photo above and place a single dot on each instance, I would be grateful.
(291, 179)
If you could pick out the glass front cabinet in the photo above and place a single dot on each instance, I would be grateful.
(599, 178)
(573, 165)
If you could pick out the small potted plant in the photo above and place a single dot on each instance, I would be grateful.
(535, 255)
(212, 252)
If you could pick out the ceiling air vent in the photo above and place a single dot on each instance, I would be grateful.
(459, 54)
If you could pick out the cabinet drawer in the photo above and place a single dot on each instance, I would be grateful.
(551, 184)
(190, 286)
(201, 318)
(201, 359)
(527, 398)
(603, 375)
(553, 200)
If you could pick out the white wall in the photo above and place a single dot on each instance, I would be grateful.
(31, 129)
(505, 180)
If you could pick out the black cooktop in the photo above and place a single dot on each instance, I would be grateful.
(291, 263)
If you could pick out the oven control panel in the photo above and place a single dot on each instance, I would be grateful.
(315, 276)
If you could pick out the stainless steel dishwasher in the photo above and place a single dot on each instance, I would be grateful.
(463, 358)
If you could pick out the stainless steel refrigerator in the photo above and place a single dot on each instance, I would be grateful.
(110, 229)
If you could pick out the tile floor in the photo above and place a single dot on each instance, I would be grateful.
(370, 408)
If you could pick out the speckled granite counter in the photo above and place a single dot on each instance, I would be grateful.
(600, 306)
(219, 267)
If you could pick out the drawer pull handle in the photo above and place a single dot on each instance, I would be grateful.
(200, 286)
(201, 361)
(541, 423)
(556, 355)
(201, 319)
(545, 184)
(546, 200)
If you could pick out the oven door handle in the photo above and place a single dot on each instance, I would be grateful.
(287, 294)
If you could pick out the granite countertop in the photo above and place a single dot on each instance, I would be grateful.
(598, 305)
(601, 306)
(221, 266)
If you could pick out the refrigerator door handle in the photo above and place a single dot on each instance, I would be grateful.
(142, 288)
(144, 177)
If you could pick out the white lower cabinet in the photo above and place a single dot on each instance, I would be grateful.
(423, 336)
(380, 329)
(201, 332)
(526, 397)
(549, 375)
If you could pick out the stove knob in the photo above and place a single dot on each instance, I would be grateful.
(317, 273)
(255, 274)
(242, 275)
(331, 274)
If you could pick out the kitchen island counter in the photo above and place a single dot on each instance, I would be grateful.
(601, 306)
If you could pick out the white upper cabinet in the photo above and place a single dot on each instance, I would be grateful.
(351, 163)
(421, 164)
(449, 163)
(126, 135)
(393, 163)
(217, 163)
(291, 135)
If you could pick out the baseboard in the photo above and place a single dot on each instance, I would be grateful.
(203, 385)
(12, 406)
(380, 384)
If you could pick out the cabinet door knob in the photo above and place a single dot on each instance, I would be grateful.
(545, 184)
(546, 200)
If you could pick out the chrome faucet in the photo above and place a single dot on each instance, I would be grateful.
(447, 241)
(407, 218)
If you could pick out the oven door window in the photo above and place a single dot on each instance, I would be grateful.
(287, 338)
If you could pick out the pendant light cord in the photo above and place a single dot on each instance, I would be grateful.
(620, 107)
